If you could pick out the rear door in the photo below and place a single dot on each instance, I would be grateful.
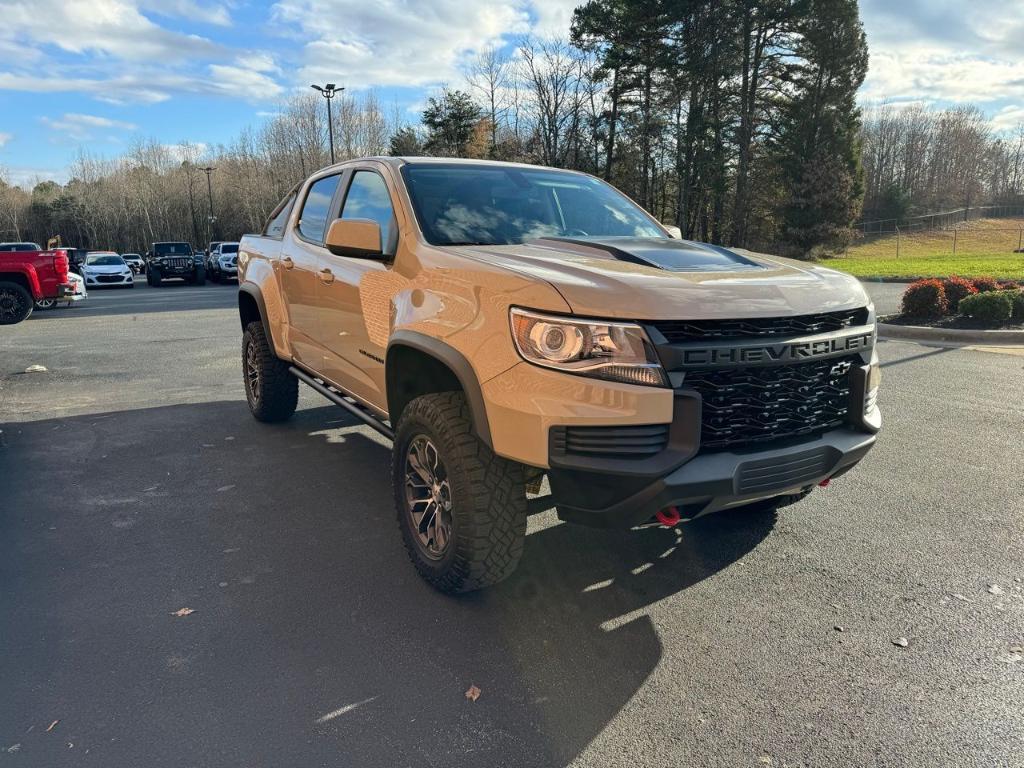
(356, 294)
(298, 267)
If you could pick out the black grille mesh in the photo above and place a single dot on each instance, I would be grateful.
(676, 331)
(753, 405)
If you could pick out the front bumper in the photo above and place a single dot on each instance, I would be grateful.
(98, 281)
(710, 482)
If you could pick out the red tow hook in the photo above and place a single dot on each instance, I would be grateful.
(824, 483)
(668, 516)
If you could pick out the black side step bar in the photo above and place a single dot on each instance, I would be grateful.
(348, 403)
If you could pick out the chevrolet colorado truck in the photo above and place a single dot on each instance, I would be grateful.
(502, 322)
(29, 275)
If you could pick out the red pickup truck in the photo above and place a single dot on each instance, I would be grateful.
(29, 274)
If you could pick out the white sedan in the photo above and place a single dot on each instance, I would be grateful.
(78, 293)
(106, 268)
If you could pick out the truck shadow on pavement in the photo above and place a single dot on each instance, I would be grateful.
(312, 640)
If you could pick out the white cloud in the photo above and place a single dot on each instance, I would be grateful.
(359, 44)
(4, 138)
(27, 177)
(214, 13)
(106, 27)
(79, 127)
(1009, 118)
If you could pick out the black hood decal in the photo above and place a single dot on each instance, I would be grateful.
(661, 253)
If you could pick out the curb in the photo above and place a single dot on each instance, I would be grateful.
(995, 338)
(891, 279)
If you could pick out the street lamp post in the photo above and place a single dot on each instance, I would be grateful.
(328, 91)
(209, 194)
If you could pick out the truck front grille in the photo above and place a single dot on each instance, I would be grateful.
(178, 263)
(676, 331)
(754, 405)
(609, 442)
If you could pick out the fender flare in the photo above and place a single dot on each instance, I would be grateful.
(459, 365)
(253, 290)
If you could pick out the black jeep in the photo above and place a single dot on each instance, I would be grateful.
(167, 260)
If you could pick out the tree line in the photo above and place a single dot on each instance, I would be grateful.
(734, 119)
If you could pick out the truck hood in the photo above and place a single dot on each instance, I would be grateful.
(661, 279)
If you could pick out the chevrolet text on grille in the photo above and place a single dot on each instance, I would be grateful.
(766, 354)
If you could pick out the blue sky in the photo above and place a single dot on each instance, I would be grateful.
(96, 74)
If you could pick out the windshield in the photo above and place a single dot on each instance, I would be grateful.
(104, 260)
(172, 249)
(494, 205)
(229, 248)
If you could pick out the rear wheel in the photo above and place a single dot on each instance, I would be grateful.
(45, 304)
(15, 303)
(270, 388)
(461, 509)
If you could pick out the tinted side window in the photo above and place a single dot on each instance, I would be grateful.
(368, 198)
(275, 227)
(313, 219)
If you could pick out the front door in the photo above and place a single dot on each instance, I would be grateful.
(356, 297)
(299, 271)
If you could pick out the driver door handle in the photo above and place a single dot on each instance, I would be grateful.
(286, 262)
(326, 275)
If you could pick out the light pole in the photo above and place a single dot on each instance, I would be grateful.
(328, 91)
(209, 194)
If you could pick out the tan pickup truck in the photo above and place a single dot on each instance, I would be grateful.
(503, 322)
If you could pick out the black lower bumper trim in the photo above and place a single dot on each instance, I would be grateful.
(714, 481)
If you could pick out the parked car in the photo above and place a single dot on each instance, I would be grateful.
(222, 264)
(21, 247)
(77, 293)
(135, 261)
(211, 247)
(502, 322)
(106, 268)
(174, 260)
(27, 276)
(76, 258)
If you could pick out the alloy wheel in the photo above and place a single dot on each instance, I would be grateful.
(252, 371)
(12, 305)
(428, 497)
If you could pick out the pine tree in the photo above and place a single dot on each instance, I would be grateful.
(819, 146)
(450, 121)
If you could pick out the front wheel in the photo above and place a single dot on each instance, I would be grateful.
(461, 509)
(270, 389)
(200, 276)
(15, 303)
(153, 276)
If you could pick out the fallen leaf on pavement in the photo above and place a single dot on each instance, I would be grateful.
(52, 725)
(902, 642)
(183, 612)
(473, 693)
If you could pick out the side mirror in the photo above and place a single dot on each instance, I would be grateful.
(355, 237)
(673, 231)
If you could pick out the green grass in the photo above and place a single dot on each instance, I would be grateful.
(1000, 266)
(983, 248)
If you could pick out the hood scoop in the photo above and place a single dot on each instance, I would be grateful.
(657, 252)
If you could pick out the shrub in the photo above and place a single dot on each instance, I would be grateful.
(956, 289)
(1018, 304)
(982, 284)
(992, 308)
(1010, 285)
(925, 299)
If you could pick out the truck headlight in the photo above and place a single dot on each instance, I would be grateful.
(605, 350)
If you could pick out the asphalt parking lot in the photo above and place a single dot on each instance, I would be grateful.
(134, 483)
